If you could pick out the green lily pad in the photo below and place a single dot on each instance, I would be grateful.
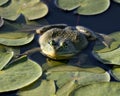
(11, 37)
(1, 22)
(16, 38)
(39, 88)
(52, 63)
(108, 55)
(6, 54)
(84, 7)
(100, 48)
(19, 74)
(112, 57)
(67, 89)
(64, 74)
(31, 9)
(115, 72)
(99, 89)
(117, 1)
(16, 51)
(3, 2)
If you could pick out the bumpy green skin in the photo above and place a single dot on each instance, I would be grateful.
(64, 43)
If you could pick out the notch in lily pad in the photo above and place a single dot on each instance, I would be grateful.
(108, 55)
(6, 54)
(84, 7)
(99, 89)
(11, 35)
(1, 22)
(63, 74)
(39, 88)
(19, 74)
(31, 9)
(115, 72)
(117, 1)
(2, 2)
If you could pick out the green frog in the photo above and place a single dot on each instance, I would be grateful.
(60, 41)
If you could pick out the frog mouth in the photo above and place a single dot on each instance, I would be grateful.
(60, 56)
(53, 54)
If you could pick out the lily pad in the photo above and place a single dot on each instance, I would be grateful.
(108, 55)
(117, 1)
(52, 63)
(15, 38)
(6, 54)
(115, 72)
(100, 48)
(99, 89)
(64, 74)
(19, 74)
(11, 37)
(39, 88)
(1, 22)
(31, 9)
(112, 57)
(3, 2)
(84, 7)
(67, 89)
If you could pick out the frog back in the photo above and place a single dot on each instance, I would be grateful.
(79, 41)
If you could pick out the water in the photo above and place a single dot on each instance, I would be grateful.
(106, 23)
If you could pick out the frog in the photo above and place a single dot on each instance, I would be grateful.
(60, 41)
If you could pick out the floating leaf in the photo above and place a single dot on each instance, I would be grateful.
(39, 88)
(84, 7)
(66, 89)
(115, 72)
(93, 7)
(3, 2)
(31, 9)
(38, 10)
(19, 74)
(52, 63)
(118, 1)
(63, 74)
(11, 37)
(99, 47)
(112, 57)
(16, 51)
(109, 55)
(6, 54)
(99, 89)
(1, 21)
(15, 38)
(68, 4)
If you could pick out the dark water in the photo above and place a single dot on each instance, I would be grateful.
(106, 23)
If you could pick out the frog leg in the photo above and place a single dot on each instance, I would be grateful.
(25, 53)
(38, 29)
(43, 29)
(105, 39)
(30, 51)
(90, 35)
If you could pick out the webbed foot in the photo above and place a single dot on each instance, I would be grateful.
(90, 35)
(105, 39)
(43, 29)
(31, 51)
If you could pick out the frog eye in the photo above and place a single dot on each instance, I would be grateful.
(52, 42)
(65, 45)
